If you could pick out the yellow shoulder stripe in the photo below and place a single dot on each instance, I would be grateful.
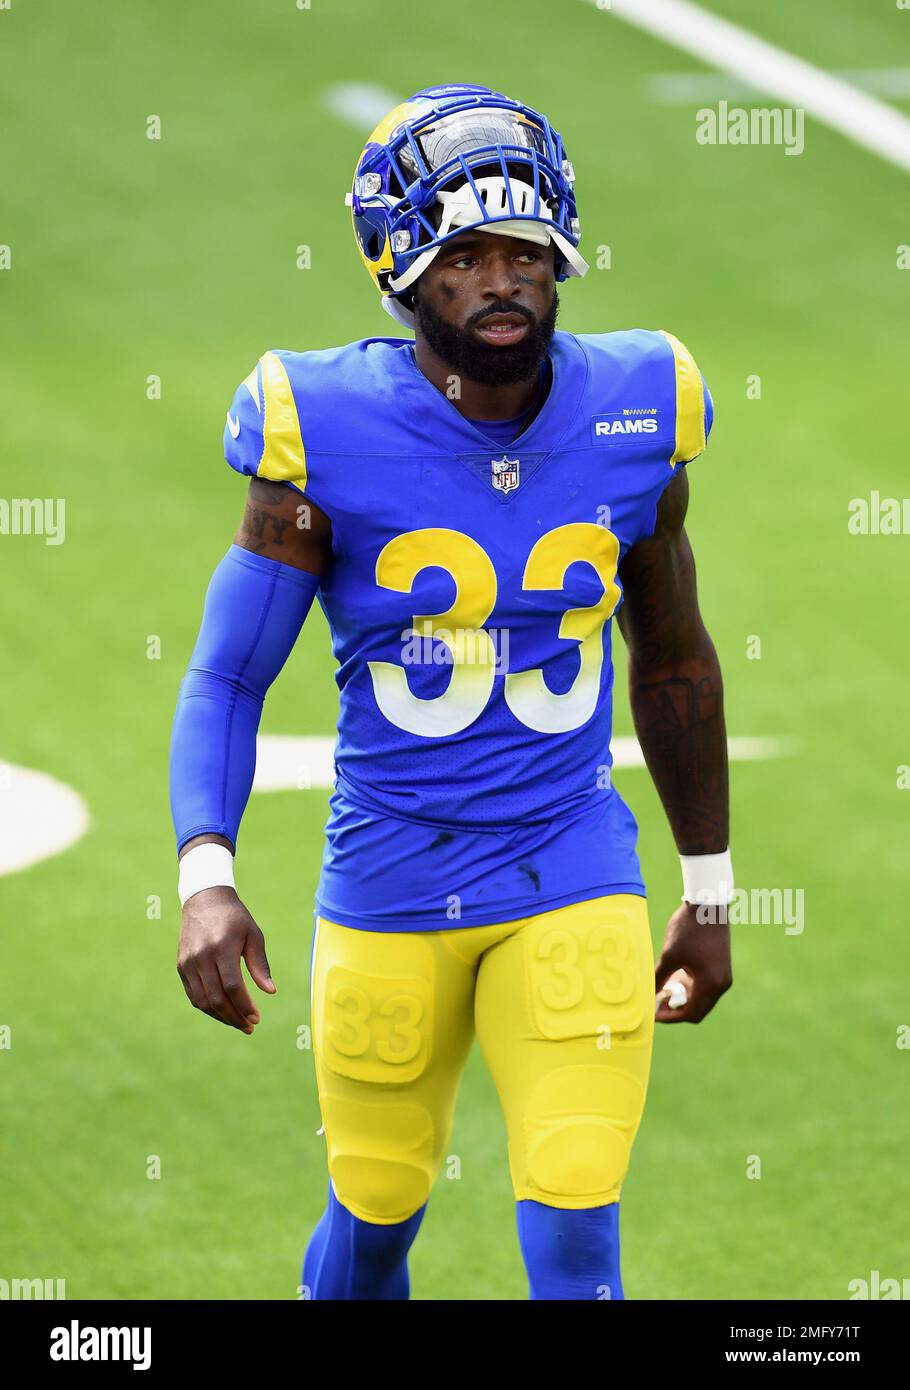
(690, 403)
(283, 458)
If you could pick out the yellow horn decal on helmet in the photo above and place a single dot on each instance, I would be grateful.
(385, 261)
(388, 123)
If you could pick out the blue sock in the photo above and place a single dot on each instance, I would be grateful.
(570, 1254)
(351, 1259)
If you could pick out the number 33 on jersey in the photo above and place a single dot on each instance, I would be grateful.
(471, 589)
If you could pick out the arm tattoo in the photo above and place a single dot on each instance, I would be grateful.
(680, 725)
(254, 523)
(675, 685)
(281, 524)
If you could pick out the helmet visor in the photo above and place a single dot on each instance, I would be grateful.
(468, 133)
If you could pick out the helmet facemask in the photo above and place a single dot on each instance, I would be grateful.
(475, 159)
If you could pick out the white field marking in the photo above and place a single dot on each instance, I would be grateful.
(39, 817)
(627, 750)
(360, 104)
(691, 88)
(286, 762)
(863, 119)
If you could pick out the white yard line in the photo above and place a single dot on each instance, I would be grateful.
(39, 816)
(627, 751)
(360, 104)
(288, 762)
(291, 762)
(838, 104)
(689, 88)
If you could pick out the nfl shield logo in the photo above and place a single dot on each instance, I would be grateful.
(505, 473)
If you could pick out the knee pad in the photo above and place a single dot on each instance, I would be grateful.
(381, 1156)
(579, 1126)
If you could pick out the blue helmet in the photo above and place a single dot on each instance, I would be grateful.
(451, 158)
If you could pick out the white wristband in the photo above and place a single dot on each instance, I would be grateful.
(205, 866)
(707, 879)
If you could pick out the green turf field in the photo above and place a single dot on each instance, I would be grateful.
(176, 258)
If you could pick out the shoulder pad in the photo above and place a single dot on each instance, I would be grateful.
(262, 432)
(632, 347)
(694, 406)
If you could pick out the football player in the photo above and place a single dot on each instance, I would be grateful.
(470, 508)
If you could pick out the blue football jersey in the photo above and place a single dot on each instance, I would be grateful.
(470, 601)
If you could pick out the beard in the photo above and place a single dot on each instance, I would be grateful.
(483, 362)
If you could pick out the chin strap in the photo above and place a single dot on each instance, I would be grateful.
(397, 310)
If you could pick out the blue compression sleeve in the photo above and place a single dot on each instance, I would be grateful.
(254, 610)
(352, 1259)
(570, 1254)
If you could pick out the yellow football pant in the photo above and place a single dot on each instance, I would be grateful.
(563, 1008)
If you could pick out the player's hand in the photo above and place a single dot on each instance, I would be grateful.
(697, 955)
(215, 934)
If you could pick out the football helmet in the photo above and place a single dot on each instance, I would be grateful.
(453, 158)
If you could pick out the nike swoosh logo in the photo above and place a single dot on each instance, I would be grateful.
(233, 425)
